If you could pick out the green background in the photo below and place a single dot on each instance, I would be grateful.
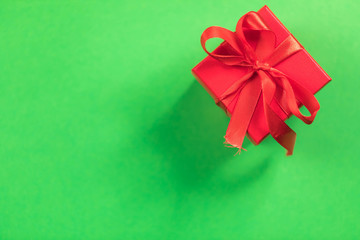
(105, 134)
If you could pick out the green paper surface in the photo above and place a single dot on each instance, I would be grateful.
(105, 134)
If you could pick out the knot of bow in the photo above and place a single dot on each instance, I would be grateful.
(252, 46)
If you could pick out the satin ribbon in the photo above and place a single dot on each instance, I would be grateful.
(262, 78)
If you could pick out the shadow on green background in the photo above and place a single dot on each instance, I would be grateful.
(190, 137)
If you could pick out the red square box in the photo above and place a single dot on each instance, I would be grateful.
(216, 77)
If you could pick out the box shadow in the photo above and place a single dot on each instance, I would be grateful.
(190, 138)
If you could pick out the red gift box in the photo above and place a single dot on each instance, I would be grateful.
(217, 77)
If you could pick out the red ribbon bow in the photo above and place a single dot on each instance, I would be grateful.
(262, 78)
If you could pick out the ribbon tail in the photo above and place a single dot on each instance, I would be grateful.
(295, 92)
(279, 130)
(242, 114)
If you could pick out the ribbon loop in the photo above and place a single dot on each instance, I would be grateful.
(229, 38)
